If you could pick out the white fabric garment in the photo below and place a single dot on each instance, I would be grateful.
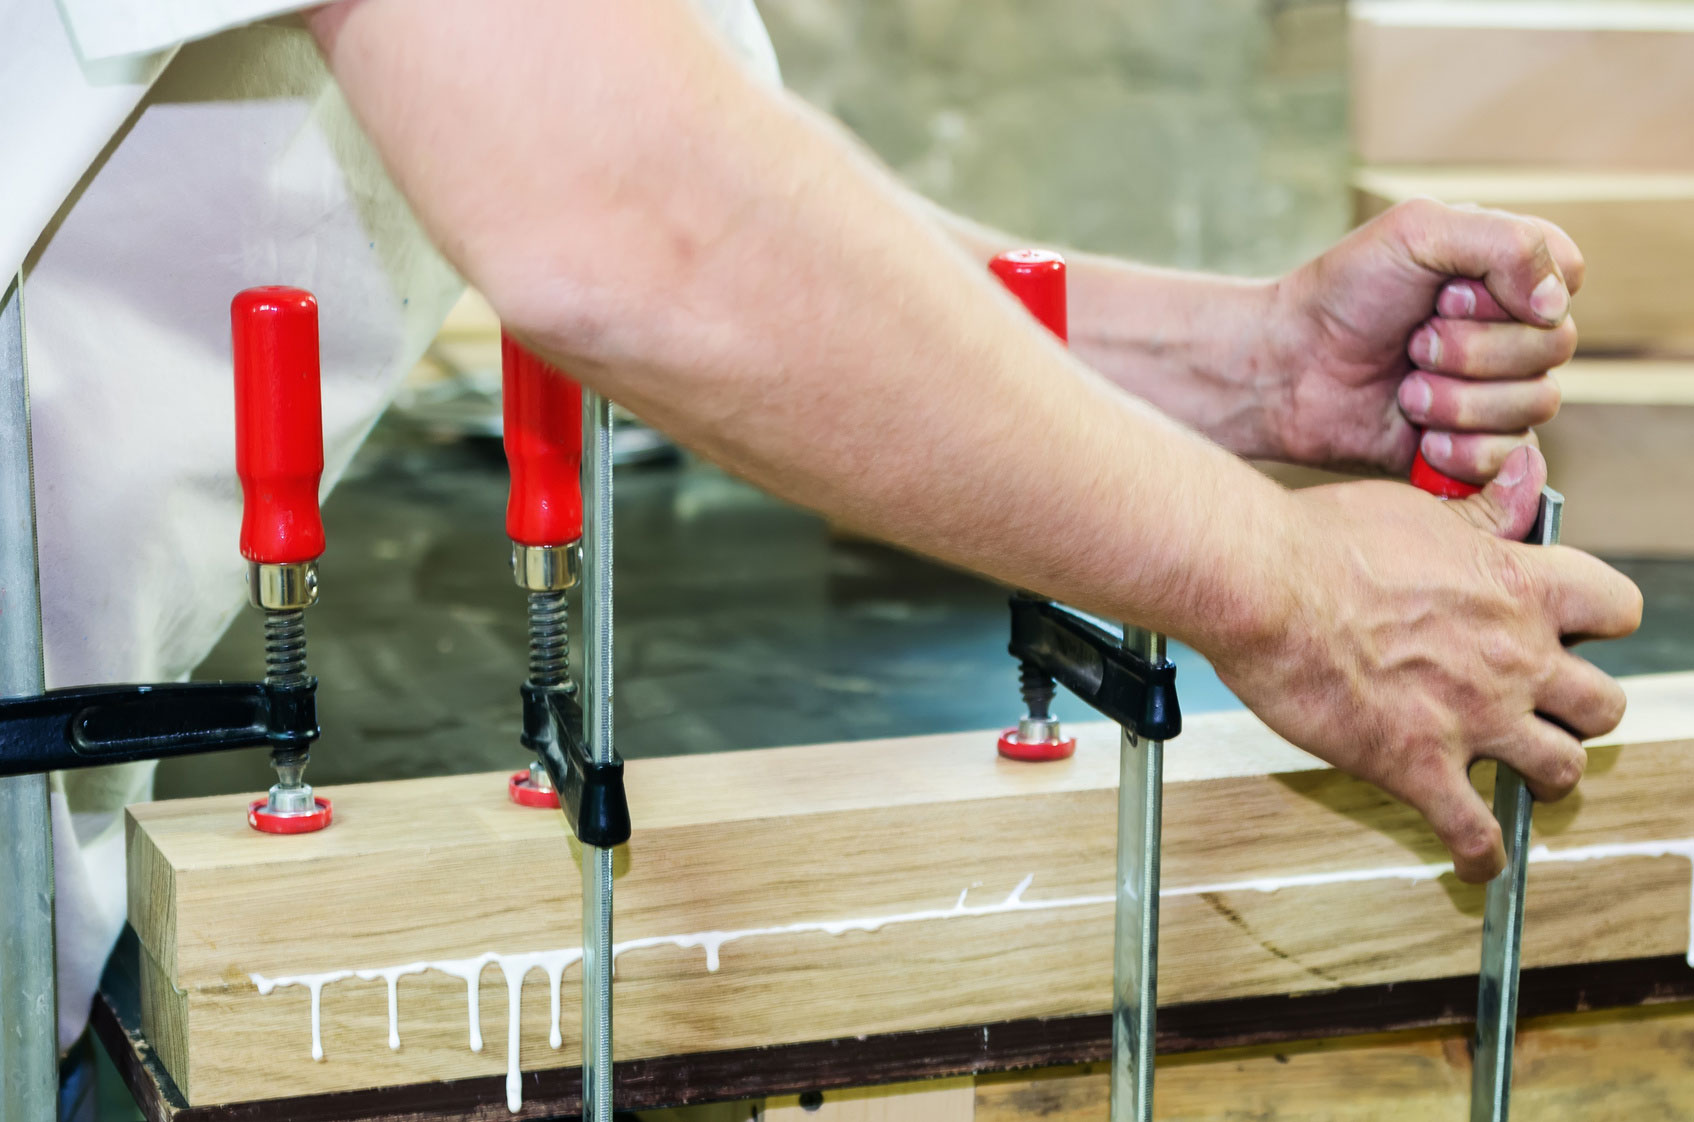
(155, 169)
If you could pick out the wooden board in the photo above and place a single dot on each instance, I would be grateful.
(1617, 1066)
(825, 1065)
(1618, 451)
(1592, 84)
(965, 890)
(1635, 231)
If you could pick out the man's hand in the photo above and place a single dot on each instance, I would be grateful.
(1428, 637)
(1382, 335)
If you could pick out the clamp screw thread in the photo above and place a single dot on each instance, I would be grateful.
(1038, 689)
(285, 648)
(285, 665)
(550, 641)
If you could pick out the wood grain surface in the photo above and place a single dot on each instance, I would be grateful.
(1281, 877)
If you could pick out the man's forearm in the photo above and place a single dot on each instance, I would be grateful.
(1194, 344)
(720, 260)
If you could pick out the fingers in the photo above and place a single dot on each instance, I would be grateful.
(1468, 299)
(1506, 507)
(1550, 759)
(1589, 598)
(1582, 698)
(1459, 405)
(1511, 255)
(1472, 457)
(1465, 826)
(1477, 349)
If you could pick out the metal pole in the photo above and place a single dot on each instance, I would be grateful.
(29, 1021)
(1135, 958)
(597, 720)
(1502, 912)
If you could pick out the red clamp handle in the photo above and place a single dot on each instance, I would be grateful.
(1037, 277)
(279, 429)
(1442, 486)
(543, 438)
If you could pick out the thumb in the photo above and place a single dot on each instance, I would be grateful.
(1510, 254)
(1506, 507)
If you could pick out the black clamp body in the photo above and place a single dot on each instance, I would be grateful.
(1092, 663)
(591, 794)
(93, 725)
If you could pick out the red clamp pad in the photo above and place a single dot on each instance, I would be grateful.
(543, 438)
(267, 823)
(1426, 478)
(1040, 752)
(525, 793)
(279, 432)
(1036, 277)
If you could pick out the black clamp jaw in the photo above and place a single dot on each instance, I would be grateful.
(1093, 663)
(93, 725)
(591, 794)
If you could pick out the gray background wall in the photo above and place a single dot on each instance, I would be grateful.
(1199, 133)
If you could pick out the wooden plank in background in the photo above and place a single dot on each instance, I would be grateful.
(1636, 233)
(1592, 84)
(878, 838)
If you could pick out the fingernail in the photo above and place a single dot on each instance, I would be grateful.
(1458, 300)
(1416, 397)
(1437, 446)
(1514, 469)
(1426, 348)
(1550, 301)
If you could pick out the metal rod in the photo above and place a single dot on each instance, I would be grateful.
(1135, 957)
(1502, 913)
(597, 722)
(29, 1022)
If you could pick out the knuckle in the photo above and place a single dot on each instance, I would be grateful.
(1544, 403)
(1613, 704)
(1499, 652)
(1476, 840)
(1512, 575)
(1566, 771)
(1412, 217)
(1564, 339)
(1634, 605)
(1526, 239)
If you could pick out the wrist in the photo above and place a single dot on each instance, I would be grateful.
(1192, 344)
(1235, 588)
(1285, 343)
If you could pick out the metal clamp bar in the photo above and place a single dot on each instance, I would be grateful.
(1135, 949)
(1502, 913)
(597, 731)
(29, 1023)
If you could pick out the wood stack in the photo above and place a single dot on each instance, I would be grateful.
(1576, 111)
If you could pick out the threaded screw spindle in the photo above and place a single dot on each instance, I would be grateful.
(1037, 688)
(285, 648)
(550, 641)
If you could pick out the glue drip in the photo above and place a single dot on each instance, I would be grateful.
(515, 967)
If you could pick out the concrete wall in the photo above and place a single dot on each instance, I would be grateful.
(1205, 133)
